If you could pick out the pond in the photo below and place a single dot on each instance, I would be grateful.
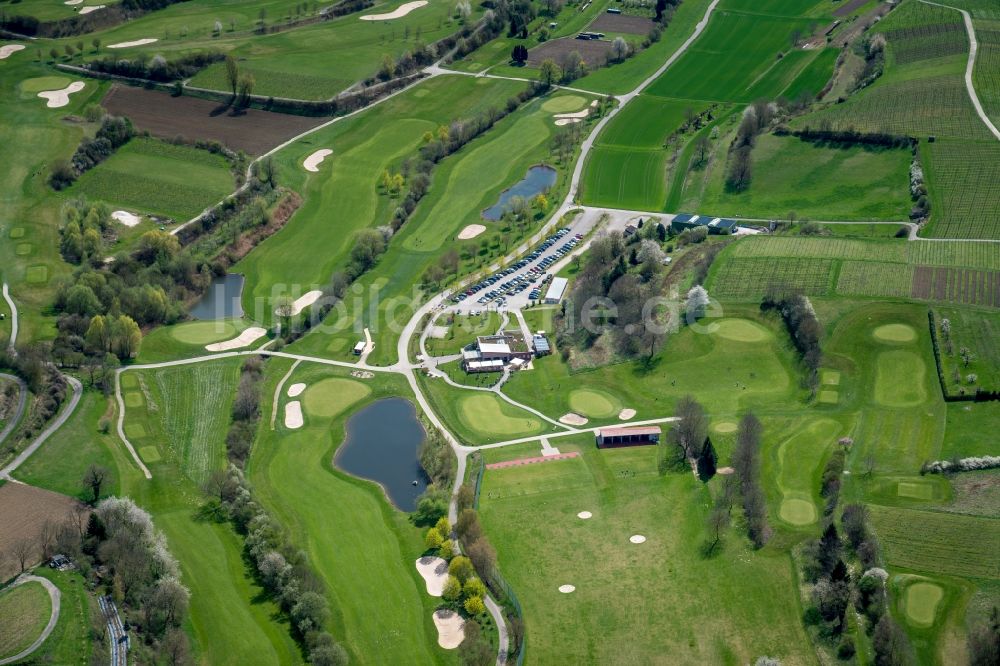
(539, 179)
(382, 445)
(222, 300)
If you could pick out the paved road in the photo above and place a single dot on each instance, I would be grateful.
(13, 316)
(22, 402)
(67, 410)
(54, 597)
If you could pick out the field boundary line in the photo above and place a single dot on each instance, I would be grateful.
(55, 597)
(970, 66)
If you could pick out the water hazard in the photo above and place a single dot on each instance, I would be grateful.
(222, 300)
(539, 179)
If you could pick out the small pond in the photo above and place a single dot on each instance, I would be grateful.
(222, 300)
(382, 445)
(539, 179)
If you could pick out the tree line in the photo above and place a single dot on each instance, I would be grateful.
(156, 68)
(803, 326)
(113, 133)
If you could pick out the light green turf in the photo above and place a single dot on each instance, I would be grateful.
(31, 87)
(24, 611)
(829, 397)
(829, 377)
(798, 459)
(741, 330)
(915, 490)
(921, 603)
(133, 399)
(797, 511)
(725, 427)
(150, 454)
(565, 104)
(330, 397)
(895, 333)
(203, 332)
(593, 403)
(487, 413)
(899, 379)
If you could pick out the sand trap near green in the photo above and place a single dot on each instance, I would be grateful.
(32, 87)
(899, 379)
(741, 330)
(895, 333)
(799, 512)
(725, 427)
(330, 397)
(203, 332)
(484, 412)
(921, 603)
(564, 104)
(593, 404)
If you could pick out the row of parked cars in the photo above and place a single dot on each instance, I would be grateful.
(502, 288)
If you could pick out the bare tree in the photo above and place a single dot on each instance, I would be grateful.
(690, 431)
(24, 550)
(47, 538)
(94, 478)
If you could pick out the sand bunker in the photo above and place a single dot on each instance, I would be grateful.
(8, 49)
(73, 2)
(312, 162)
(137, 42)
(626, 414)
(572, 419)
(362, 374)
(57, 98)
(399, 12)
(94, 8)
(435, 573)
(245, 338)
(567, 121)
(451, 628)
(637, 538)
(293, 415)
(577, 114)
(584, 515)
(471, 231)
(566, 589)
(302, 302)
(296, 390)
(725, 471)
(126, 218)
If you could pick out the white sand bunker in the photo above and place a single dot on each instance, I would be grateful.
(94, 8)
(399, 12)
(293, 415)
(8, 49)
(471, 231)
(73, 2)
(567, 121)
(637, 538)
(312, 162)
(57, 98)
(295, 390)
(362, 374)
(626, 414)
(451, 628)
(566, 589)
(245, 338)
(435, 573)
(126, 218)
(301, 303)
(726, 471)
(584, 515)
(572, 419)
(137, 42)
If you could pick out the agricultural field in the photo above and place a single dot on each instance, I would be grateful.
(742, 278)
(23, 511)
(158, 178)
(976, 331)
(24, 612)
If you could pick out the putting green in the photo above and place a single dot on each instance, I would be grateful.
(741, 330)
(38, 274)
(829, 397)
(23, 249)
(829, 377)
(915, 490)
(330, 397)
(564, 104)
(129, 380)
(133, 399)
(135, 430)
(895, 333)
(899, 379)
(17, 232)
(593, 404)
(149, 454)
(921, 603)
(795, 511)
(34, 86)
(725, 427)
(203, 332)
(484, 412)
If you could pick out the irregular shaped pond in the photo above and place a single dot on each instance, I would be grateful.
(539, 179)
(382, 445)
(222, 300)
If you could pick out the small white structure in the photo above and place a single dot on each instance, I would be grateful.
(556, 290)
(359, 348)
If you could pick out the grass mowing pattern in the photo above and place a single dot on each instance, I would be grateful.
(24, 611)
(986, 77)
(194, 413)
(921, 603)
(158, 177)
(970, 255)
(940, 543)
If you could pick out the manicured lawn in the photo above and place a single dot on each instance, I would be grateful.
(462, 332)
(158, 178)
(330, 397)
(970, 426)
(71, 640)
(24, 611)
(726, 609)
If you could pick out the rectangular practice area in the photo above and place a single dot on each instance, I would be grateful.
(613, 437)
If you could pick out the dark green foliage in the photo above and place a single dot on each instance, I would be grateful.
(707, 461)
(157, 68)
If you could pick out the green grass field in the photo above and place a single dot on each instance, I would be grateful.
(726, 609)
(158, 178)
(71, 640)
(479, 417)
(462, 332)
(24, 611)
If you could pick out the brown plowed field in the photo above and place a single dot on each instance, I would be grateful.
(594, 52)
(23, 511)
(623, 23)
(956, 285)
(166, 116)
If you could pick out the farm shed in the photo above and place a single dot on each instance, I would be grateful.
(627, 436)
(715, 225)
(556, 290)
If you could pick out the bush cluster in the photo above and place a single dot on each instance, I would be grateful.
(800, 319)
(960, 465)
(156, 68)
(114, 133)
(49, 386)
(246, 412)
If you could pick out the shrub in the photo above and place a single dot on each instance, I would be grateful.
(474, 606)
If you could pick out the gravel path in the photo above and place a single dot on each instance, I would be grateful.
(22, 402)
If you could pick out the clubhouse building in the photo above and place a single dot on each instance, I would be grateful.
(617, 436)
(491, 353)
